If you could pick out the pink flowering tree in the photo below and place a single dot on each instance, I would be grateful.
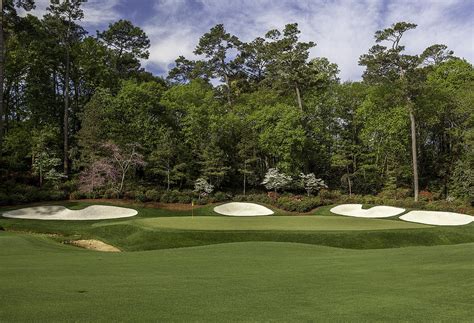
(112, 169)
(98, 175)
(122, 160)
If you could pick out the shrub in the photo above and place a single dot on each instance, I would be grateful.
(174, 196)
(369, 199)
(170, 197)
(54, 195)
(273, 195)
(76, 195)
(329, 195)
(185, 199)
(240, 198)
(152, 195)
(3, 199)
(303, 205)
(425, 196)
(259, 198)
(140, 196)
(387, 193)
(403, 193)
(220, 197)
(202, 201)
(164, 198)
(33, 195)
(129, 195)
(69, 186)
(111, 194)
(17, 198)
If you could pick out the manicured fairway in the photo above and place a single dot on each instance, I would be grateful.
(282, 223)
(41, 280)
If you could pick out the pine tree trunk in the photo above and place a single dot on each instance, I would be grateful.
(66, 115)
(245, 180)
(298, 97)
(414, 153)
(2, 74)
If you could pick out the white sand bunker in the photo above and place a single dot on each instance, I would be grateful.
(242, 209)
(437, 218)
(56, 212)
(374, 212)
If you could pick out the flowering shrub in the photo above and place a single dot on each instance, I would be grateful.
(202, 187)
(425, 196)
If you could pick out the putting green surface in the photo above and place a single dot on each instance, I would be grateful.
(280, 223)
(41, 280)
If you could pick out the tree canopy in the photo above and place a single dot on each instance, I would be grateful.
(238, 116)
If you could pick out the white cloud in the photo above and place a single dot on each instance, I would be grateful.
(99, 12)
(170, 45)
(342, 29)
(96, 12)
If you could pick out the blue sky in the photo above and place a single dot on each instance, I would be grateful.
(342, 29)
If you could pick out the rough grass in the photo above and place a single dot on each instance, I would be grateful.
(41, 280)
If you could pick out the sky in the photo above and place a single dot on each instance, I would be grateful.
(342, 29)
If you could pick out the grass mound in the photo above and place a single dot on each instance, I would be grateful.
(157, 228)
(254, 281)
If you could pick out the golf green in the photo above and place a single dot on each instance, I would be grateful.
(281, 223)
(41, 280)
(159, 228)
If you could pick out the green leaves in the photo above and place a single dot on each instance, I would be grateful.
(125, 38)
(394, 33)
(281, 135)
(128, 43)
(287, 59)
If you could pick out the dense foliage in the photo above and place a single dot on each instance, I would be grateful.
(80, 116)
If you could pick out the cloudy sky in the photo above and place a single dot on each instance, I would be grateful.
(342, 29)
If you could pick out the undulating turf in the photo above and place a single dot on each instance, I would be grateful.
(41, 280)
(281, 223)
(157, 228)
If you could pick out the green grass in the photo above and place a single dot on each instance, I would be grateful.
(155, 228)
(41, 280)
(276, 268)
(271, 223)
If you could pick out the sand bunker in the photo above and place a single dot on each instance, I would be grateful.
(437, 218)
(95, 245)
(242, 209)
(56, 212)
(374, 212)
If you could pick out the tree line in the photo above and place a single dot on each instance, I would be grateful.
(79, 109)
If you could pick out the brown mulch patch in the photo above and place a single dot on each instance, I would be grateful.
(166, 206)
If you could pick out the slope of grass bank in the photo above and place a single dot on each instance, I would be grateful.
(158, 228)
(256, 281)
